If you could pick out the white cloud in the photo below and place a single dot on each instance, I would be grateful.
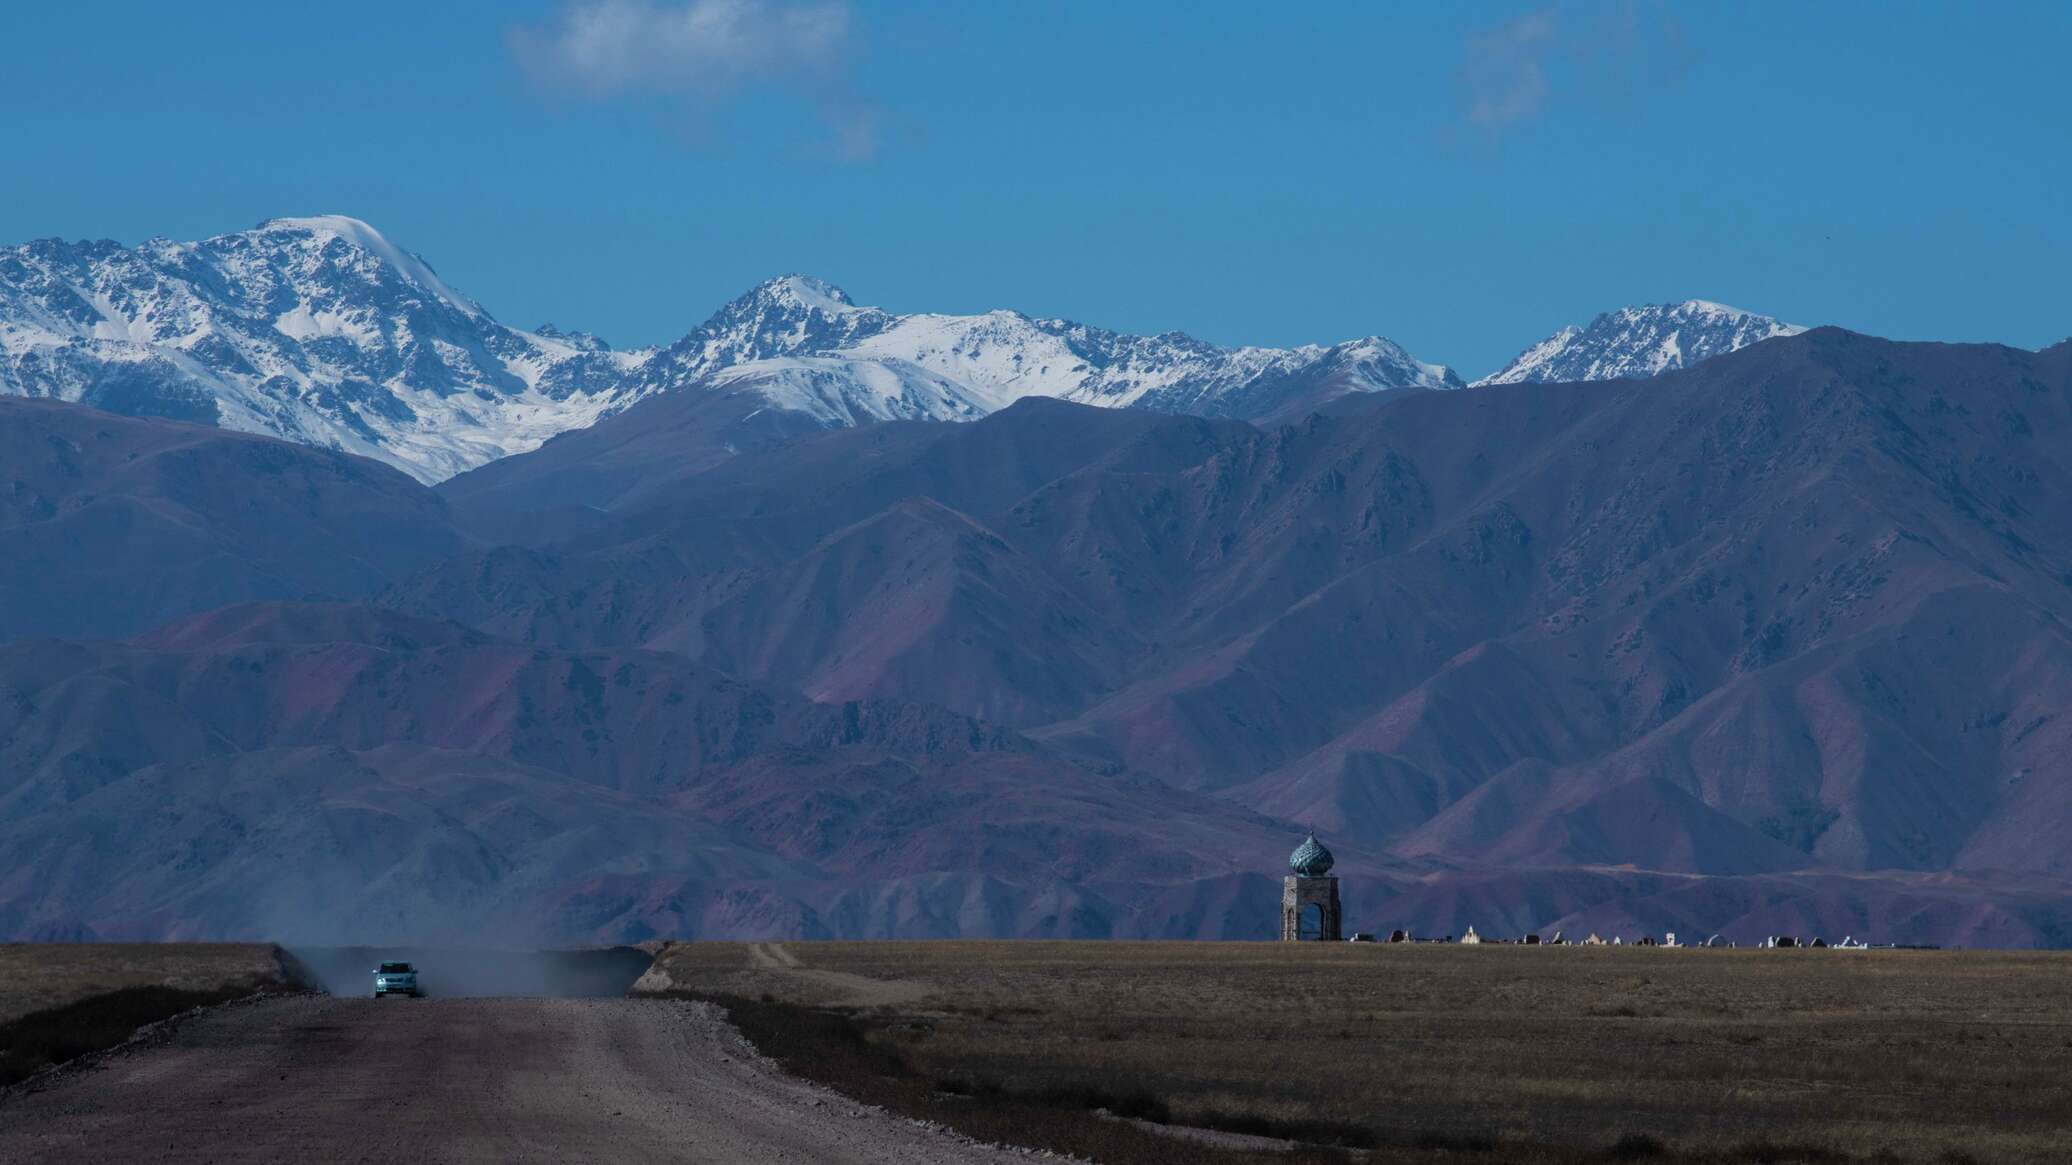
(702, 53)
(1615, 52)
(1504, 78)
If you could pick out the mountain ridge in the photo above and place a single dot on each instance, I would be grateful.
(1771, 643)
(1549, 652)
(321, 330)
(1640, 341)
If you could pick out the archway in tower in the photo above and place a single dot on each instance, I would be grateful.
(1310, 925)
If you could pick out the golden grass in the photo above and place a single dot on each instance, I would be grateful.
(1911, 1055)
(36, 976)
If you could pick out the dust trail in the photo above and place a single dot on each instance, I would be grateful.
(461, 971)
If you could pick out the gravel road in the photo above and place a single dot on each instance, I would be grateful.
(315, 1078)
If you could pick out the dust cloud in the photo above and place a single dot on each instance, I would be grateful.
(477, 972)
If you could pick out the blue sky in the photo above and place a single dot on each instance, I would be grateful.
(1463, 181)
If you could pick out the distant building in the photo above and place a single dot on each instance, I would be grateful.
(1309, 895)
(1471, 936)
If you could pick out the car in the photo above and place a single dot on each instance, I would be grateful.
(396, 979)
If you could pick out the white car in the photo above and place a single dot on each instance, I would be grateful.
(396, 979)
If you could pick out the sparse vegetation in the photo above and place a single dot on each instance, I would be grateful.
(63, 1000)
(41, 976)
(40, 1039)
(1433, 1053)
(850, 1053)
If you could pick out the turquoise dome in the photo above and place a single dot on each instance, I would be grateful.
(1310, 860)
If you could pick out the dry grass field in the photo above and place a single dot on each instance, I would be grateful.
(37, 976)
(1492, 1052)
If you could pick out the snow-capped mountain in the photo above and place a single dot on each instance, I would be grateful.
(843, 390)
(953, 367)
(317, 330)
(321, 331)
(1637, 342)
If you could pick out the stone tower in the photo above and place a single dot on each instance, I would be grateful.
(1309, 895)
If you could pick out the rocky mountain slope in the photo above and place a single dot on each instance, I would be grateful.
(1799, 607)
(111, 525)
(1774, 641)
(323, 332)
(1638, 342)
(336, 771)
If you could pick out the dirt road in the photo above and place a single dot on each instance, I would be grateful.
(328, 1079)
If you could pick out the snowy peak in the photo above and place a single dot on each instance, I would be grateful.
(323, 331)
(839, 392)
(316, 330)
(353, 230)
(804, 293)
(349, 244)
(1385, 364)
(1636, 342)
(953, 367)
(1709, 309)
(791, 315)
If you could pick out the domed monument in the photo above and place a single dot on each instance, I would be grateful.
(1309, 895)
